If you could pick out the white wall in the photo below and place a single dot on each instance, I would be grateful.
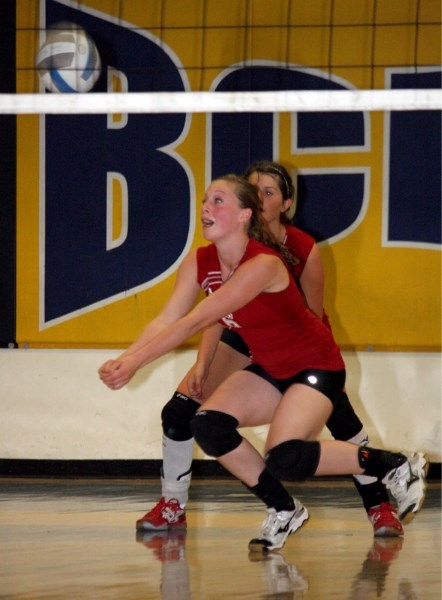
(53, 406)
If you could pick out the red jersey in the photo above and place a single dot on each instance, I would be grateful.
(300, 245)
(283, 335)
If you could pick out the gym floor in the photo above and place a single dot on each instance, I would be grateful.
(69, 539)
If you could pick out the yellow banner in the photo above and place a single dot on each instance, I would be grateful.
(108, 206)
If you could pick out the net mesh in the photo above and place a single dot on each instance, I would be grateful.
(323, 37)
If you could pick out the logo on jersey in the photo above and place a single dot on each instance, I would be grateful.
(210, 284)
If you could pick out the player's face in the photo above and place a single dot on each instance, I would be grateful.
(271, 196)
(221, 213)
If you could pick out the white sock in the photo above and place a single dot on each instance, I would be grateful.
(361, 439)
(176, 489)
(176, 469)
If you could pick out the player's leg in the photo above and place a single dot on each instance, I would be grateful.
(178, 439)
(345, 425)
(169, 511)
(245, 400)
(404, 475)
(178, 442)
(293, 455)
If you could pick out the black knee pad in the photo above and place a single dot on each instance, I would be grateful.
(294, 460)
(176, 416)
(344, 423)
(215, 432)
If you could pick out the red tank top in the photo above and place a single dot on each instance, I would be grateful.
(283, 336)
(300, 245)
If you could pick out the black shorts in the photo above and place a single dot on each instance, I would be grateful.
(235, 341)
(329, 383)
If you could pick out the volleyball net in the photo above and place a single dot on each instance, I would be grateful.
(181, 57)
(222, 102)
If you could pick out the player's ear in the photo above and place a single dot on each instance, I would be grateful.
(286, 204)
(246, 215)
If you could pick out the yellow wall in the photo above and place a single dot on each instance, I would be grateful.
(377, 296)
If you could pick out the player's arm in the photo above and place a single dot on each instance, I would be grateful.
(182, 298)
(206, 352)
(208, 344)
(312, 281)
(184, 294)
(263, 273)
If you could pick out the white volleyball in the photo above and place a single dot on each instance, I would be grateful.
(68, 61)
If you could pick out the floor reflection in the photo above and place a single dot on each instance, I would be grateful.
(76, 540)
(370, 582)
(169, 547)
(281, 579)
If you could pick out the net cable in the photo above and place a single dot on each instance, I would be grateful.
(219, 102)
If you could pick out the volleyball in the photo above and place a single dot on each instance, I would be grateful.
(68, 61)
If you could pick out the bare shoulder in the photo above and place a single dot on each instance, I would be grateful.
(269, 269)
(266, 261)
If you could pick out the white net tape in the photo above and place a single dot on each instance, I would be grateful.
(213, 102)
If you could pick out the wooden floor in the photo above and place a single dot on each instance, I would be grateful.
(72, 539)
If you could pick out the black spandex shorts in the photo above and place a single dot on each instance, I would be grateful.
(235, 341)
(329, 383)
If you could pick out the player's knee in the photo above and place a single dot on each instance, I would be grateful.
(294, 460)
(176, 417)
(215, 432)
(344, 423)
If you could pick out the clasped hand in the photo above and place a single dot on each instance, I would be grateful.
(118, 372)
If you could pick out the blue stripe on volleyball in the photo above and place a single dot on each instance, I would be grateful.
(60, 83)
(89, 67)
